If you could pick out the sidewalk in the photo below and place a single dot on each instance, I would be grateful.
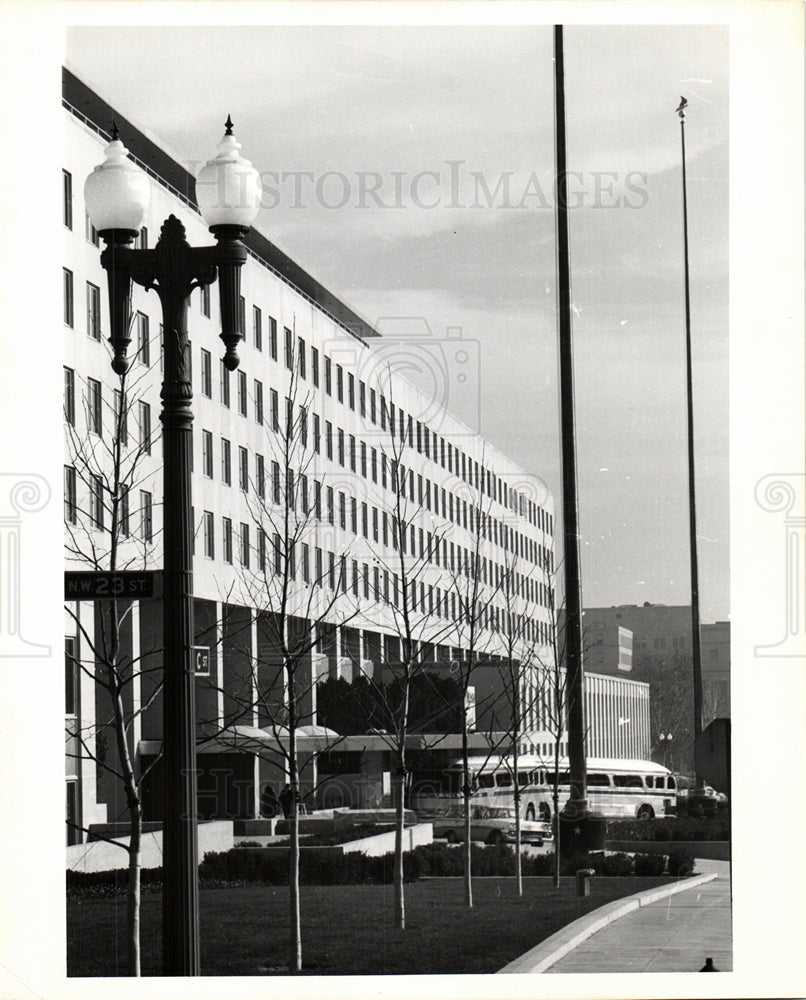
(673, 934)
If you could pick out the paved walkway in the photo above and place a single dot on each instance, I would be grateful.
(675, 934)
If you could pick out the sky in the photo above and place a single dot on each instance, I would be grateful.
(410, 170)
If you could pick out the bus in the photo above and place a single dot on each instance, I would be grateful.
(617, 789)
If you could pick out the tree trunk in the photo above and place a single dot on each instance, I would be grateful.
(400, 807)
(466, 793)
(295, 963)
(556, 821)
(133, 891)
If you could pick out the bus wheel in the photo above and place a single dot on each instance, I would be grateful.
(545, 812)
(451, 837)
(646, 812)
(530, 812)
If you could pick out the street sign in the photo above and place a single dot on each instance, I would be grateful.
(89, 586)
(201, 660)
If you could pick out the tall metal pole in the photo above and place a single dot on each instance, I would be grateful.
(575, 678)
(692, 508)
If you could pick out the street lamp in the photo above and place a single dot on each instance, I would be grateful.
(665, 740)
(117, 195)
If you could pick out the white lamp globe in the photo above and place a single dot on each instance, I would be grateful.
(228, 188)
(117, 193)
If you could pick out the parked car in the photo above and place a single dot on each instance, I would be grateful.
(491, 824)
(703, 801)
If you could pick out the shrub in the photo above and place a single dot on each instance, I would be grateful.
(649, 864)
(616, 864)
(681, 862)
(678, 828)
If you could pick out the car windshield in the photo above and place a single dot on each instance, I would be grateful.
(501, 812)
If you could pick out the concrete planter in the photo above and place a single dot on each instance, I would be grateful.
(373, 847)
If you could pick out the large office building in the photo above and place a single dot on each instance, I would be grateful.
(364, 440)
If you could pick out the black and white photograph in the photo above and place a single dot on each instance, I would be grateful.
(403, 575)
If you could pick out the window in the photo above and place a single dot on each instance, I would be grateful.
(362, 399)
(354, 515)
(341, 446)
(93, 311)
(301, 355)
(205, 299)
(274, 404)
(70, 396)
(316, 434)
(289, 349)
(207, 374)
(123, 511)
(261, 550)
(318, 567)
(223, 375)
(90, 232)
(329, 439)
(94, 404)
(67, 198)
(315, 366)
(260, 476)
(242, 315)
(352, 453)
(227, 540)
(143, 346)
(226, 472)
(144, 420)
(70, 499)
(351, 390)
(257, 327)
(289, 417)
(306, 563)
(278, 554)
(303, 426)
(328, 379)
(275, 481)
(340, 383)
(146, 516)
(303, 492)
(243, 469)
(342, 511)
(121, 418)
(258, 401)
(331, 570)
(207, 454)
(245, 545)
(317, 500)
(69, 309)
(209, 535)
(242, 393)
(330, 511)
(71, 675)
(273, 337)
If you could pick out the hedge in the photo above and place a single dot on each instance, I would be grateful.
(239, 867)
(677, 828)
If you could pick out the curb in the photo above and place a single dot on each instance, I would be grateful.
(545, 954)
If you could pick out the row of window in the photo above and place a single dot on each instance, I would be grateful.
(100, 508)
(409, 430)
(94, 411)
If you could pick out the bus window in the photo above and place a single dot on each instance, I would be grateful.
(523, 778)
(670, 783)
(502, 779)
(599, 780)
(628, 781)
(485, 781)
(565, 778)
(659, 783)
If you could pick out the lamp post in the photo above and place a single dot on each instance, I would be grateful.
(117, 195)
(665, 740)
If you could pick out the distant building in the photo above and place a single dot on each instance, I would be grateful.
(715, 644)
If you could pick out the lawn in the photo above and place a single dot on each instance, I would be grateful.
(347, 930)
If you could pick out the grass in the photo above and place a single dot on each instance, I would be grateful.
(347, 930)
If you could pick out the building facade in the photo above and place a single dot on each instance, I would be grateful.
(307, 451)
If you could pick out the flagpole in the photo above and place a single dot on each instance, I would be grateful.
(692, 508)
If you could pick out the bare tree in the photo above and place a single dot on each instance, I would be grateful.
(296, 580)
(106, 532)
(474, 585)
(418, 614)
